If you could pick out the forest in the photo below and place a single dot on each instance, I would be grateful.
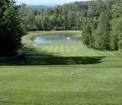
(100, 21)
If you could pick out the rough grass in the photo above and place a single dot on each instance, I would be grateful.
(69, 74)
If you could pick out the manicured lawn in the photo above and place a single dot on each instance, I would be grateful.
(62, 74)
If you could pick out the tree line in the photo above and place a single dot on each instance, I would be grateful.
(66, 17)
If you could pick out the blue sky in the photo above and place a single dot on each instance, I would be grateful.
(46, 2)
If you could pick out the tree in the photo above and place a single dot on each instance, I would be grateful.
(10, 28)
(117, 31)
(87, 37)
(102, 39)
(116, 34)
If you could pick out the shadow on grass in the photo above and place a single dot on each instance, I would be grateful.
(44, 58)
(50, 60)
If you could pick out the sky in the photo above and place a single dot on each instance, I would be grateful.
(46, 2)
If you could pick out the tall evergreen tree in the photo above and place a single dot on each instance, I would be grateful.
(102, 39)
(87, 37)
(117, 31)
(10, 28)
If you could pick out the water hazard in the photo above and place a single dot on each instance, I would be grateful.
(44, 39)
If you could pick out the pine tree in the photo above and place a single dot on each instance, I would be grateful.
(10, 28)
(87, 37)
(117, 31)
(102, 37)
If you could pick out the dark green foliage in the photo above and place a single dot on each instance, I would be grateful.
(117, 30)
(10, 28)
(103, 32)
(87, 37)
(106, 25)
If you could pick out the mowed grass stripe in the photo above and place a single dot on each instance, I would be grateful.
(61, 50)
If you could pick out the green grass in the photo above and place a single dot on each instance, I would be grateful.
(62, 74)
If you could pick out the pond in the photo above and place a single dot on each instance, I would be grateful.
(45, 39)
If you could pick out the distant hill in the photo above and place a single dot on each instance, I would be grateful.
(40, 6)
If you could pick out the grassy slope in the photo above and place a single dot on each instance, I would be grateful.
(95, 83)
